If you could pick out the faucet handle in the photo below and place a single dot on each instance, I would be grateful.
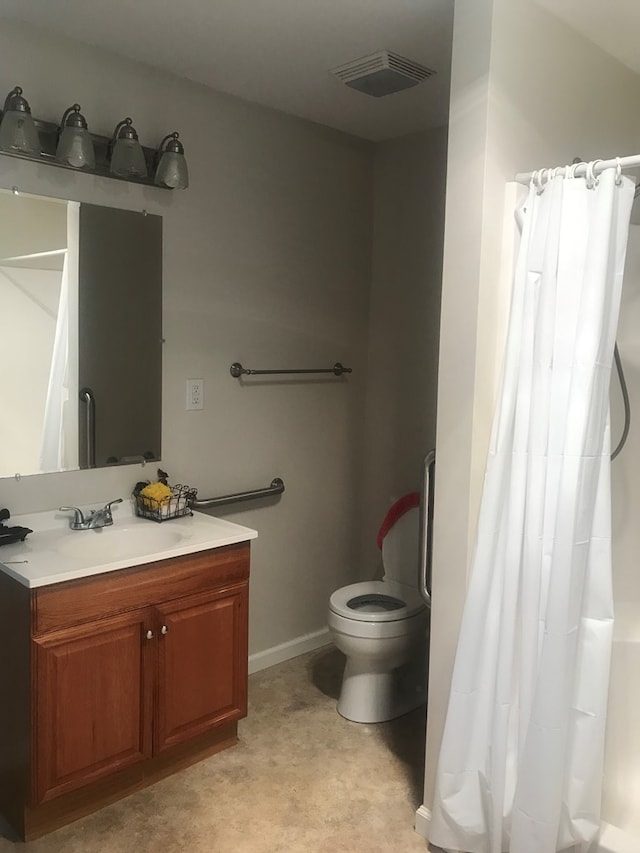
(78, 516)
(106, 511)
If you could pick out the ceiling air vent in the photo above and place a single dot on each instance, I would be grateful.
(382, 73)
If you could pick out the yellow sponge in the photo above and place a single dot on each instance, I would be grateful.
(156, 494)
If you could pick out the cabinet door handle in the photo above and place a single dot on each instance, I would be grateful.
(149, 635)
(164, 630)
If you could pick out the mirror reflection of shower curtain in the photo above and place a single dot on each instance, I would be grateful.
(520, 766)
(59, 448)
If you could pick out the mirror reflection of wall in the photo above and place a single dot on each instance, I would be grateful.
(80, 305)
(38, 334)
(120, 333)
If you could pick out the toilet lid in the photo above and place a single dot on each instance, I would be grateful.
(375, 601)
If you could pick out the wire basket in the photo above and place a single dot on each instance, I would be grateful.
(176, 505)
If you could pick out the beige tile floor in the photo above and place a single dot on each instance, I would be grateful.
(301, 780)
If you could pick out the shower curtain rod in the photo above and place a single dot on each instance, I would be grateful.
(624, 162)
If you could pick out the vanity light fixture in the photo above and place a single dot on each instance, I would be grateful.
(75, 145)
(127, 156)
(172, 168)
(18, 133)
(70, 145)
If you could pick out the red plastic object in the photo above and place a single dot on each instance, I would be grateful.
(399, 508)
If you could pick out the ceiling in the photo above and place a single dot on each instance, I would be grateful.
(275, 52)
(614, 26)
(278, 52)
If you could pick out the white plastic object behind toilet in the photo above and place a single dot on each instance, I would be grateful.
(401, 550)
(382, 628)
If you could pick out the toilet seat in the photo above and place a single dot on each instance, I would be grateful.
(376, 601)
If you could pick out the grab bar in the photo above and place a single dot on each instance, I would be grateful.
(87, 395)
(276, 488)
(237, 370)
(426, 527)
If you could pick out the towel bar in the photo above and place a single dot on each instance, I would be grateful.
(237, 370)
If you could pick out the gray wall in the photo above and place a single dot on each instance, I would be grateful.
(404, 320)
(268, 261)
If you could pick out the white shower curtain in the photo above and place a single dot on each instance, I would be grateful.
(521, 758)
(59, 447)
(52, 452)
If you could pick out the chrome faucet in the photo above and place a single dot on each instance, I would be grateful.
(97, 517)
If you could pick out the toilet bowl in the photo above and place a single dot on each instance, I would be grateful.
(382, 628)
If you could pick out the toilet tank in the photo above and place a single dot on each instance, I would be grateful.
(401, 550)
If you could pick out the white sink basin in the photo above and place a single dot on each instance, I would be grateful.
(107, 544)
(53, 553)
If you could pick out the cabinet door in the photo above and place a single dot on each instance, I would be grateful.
(202, 658)
(93, 694)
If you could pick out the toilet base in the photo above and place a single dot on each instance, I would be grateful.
(371, 696)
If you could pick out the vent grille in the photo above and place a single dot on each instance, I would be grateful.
(409, 67)
(382, 73)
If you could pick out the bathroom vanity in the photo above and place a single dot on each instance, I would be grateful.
(123, 657)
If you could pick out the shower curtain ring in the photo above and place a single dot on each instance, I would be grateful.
(570, 171)
(537, 181)
(592, 181)
(589, 177)
(618, 172)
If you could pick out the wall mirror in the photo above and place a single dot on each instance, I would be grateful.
(80, 335)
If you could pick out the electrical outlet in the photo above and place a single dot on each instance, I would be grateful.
(195, 394)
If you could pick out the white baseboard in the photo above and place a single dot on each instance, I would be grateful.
(288, 650)
(423, 821)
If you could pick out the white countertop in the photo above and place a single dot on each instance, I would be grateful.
(54, 553)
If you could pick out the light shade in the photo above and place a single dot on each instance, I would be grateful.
(127, 156)
(75, 145)
(17, 130)
(172, 168)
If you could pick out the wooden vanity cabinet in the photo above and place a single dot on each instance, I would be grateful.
(117, 680)
(92, 702)
(201, 683)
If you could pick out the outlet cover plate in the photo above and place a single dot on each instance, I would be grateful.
(195, 394)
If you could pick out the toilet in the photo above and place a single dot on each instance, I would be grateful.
(382, 627)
